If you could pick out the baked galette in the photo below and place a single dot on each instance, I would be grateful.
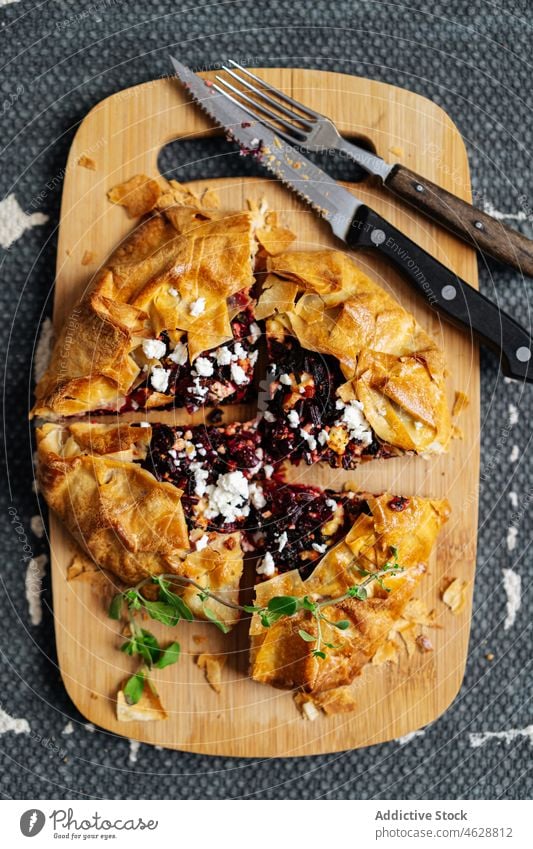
(384, 529)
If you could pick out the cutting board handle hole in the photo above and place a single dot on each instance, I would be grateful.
(212, 157)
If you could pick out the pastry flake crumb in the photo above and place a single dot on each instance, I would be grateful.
(331, 702)
(87, 258)
(87, 162)
(138, 195)
(460, 403)
(148, 707)
(80, 565)
(454, 596)
(212, 665)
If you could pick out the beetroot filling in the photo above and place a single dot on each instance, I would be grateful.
(316, 407)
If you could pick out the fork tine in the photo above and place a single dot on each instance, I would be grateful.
(279, 106)
(281, 94)
(290, 128)
(290, 139)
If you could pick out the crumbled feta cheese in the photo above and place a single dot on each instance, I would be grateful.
(203, 366)
(309, 438)
(201, 543)
(419, 425)
(331, 503)
(340, 405)
(180, 354)
(268, 470)
(323, 437)
(285, 379)
(228, 497)
(358, 427)
(253, 357)
(268, 416)
(293, 418)
(267, 567)
(238, 375)
(144, 424)
(200, 478)
(197, 388)
(197, 307)
(240, 352)
(320, 548)
(159, 378)
(174, 292)
(256, 496)
(282, 541)
(154, 349)
(223, 356)
(255, 332)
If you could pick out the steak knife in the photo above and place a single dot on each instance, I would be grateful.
(360, 227)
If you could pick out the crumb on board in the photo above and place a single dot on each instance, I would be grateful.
(212, 664)
(489, 656)
(461, 402)
(199, 639)
(331, 702)
(79, 565)
(397, 151)
(148, 707)
(87, 162)
(87, 258)
(138, 195)
(454, 595)
(407, 633)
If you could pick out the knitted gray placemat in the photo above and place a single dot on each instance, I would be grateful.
(60, 58)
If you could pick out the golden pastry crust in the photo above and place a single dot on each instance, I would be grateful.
(278, 654)
(196, 251)
(391, 365)
(127, 521)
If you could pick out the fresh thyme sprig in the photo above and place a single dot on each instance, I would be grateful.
(170, 608)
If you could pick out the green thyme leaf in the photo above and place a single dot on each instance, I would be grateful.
(249, 608)
(342, 625)
(169, 655)
(116, 606)
(305, 635)
(320, 654)
(283, 605)
(148, 646)
(134, 687)
(358, 592)
(129, 647)
(133, 599)
(166, 595)
(307, 604)
(162, 612)
(211, 615)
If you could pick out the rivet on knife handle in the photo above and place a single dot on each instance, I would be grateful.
(446, 293)
(486, 233)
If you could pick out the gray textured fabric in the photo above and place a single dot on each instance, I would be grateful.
(60, 58)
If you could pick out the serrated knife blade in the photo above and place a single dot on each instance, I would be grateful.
(334, 203)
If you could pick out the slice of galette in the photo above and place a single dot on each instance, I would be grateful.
(148, 501)
(353, 597)
(352, 376)
(168, 320)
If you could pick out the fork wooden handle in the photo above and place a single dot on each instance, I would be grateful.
(477, 228)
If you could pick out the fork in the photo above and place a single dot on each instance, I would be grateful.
(301, 126)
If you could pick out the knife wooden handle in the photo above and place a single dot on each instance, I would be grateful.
(477, 228)
(446, 293)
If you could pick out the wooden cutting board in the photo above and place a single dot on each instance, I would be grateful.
(123, 135)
